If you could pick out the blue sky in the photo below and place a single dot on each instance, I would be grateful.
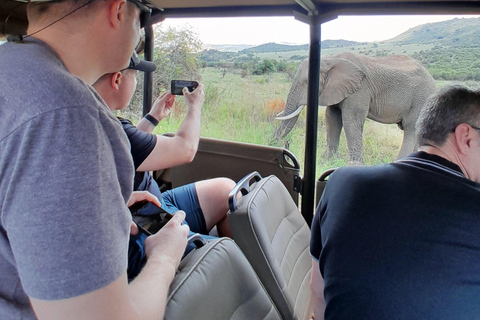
(288, 30)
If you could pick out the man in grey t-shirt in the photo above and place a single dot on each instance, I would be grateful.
(66, 174)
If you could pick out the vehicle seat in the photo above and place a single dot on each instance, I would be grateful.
(268, 227)
(216, 282)
(321, 183)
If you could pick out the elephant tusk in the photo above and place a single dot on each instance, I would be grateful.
(289, 116)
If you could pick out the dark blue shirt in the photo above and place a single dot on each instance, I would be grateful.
(141, 144)
(400, 241)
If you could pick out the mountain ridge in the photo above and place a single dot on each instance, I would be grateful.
(455, 32)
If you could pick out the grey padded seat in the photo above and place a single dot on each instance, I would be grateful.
(268, 227)
(216, 282)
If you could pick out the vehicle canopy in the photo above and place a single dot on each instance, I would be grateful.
(13, 21)
(13, 12)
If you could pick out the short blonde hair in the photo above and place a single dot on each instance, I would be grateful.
(39, 9)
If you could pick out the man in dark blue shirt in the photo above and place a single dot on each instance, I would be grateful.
(402, 240)
(204, 202)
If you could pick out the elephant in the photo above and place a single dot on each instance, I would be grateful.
(353, 87)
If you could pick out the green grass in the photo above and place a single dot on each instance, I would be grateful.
(236, 109)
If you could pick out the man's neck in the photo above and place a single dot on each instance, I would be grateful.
(447, 152)
(79, 61)
(75, 53)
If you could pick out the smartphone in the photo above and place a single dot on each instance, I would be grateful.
(151, 223)
(178, 85)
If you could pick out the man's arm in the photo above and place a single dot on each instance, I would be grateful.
(317, 285)
(180, 149)
(160, 109)
(144, 298)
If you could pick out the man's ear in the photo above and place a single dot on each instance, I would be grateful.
(116, 80)
(464, 135)
(117, 12)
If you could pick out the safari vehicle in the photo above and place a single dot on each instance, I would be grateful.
(236, 160)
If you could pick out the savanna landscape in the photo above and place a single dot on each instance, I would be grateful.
(245, 89)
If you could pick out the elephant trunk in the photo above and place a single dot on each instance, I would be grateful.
(289, 116)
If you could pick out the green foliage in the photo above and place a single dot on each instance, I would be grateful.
(175, 58)
(448, 49)
(175, 54)
(266, 66)
(451, 64)
(236, 109)
(451, 33)
(240, 86)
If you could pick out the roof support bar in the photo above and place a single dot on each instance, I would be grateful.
(308, 5)
(148, 76)
(310, 162)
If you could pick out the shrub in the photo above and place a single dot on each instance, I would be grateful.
(275, 106)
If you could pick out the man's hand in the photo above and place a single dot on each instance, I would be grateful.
(162, 106)
(138, 196)
(167, 246)
(196, 98)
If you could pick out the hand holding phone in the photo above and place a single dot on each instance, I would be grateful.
(178, 85)
(151, 223)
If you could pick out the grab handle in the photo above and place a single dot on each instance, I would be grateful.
(242, 186)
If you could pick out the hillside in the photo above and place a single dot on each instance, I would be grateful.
(456, 32)
(274, 47)
(448, 49)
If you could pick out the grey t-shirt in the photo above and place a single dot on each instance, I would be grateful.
(65, 176)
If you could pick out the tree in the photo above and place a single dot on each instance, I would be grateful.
(175, 58)
(266, 66)
(175, 54)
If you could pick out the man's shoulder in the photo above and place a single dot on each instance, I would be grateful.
(126, 124)
(36, 84)
(354, 172)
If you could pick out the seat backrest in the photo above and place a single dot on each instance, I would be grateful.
(268, 227)
(216, 282)
(321, 183)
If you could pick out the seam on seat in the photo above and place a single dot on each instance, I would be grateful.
(285, 220)
(294, 265)
(294, 233)
(249, 206)
(306, 278)
(193, 268)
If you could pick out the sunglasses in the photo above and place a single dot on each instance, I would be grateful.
(134, 61)
(145, 12)
(473, 127)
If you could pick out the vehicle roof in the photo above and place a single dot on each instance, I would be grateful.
(13, 14)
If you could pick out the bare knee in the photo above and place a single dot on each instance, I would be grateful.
(226, 184)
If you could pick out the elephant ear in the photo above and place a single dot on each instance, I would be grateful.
(341, 78)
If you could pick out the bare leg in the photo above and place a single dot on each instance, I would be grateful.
(213, 198)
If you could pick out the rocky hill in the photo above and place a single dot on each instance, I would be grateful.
(456, 32)
(464, 32)
(449, 50)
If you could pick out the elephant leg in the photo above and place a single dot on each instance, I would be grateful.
(333, 119)
(409, 143)
(353, 122)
